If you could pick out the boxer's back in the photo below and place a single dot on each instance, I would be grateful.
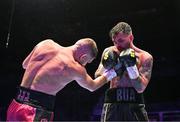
(49, 68)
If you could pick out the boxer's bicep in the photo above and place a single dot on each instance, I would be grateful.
(145, 70)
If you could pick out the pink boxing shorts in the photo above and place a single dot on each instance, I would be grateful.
(30, 105)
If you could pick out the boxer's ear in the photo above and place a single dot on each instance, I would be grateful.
(131, 37)
(83, 59)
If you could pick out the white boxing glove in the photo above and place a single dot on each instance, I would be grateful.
(110, 74)
(133, 72)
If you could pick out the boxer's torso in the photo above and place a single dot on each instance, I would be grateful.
(51, 68)
(124, 80)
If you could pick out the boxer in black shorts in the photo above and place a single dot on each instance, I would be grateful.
(123, 104)
(124, 99)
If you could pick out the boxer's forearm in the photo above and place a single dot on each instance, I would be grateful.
(99, 81)
(139, 84)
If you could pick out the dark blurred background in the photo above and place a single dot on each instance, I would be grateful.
(155, 25)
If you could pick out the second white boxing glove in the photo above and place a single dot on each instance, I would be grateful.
(110, 74)
(133, 72)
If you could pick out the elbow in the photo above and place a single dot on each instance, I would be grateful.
(24, 66)
(97, 74)
(141, 89)
(92, 89)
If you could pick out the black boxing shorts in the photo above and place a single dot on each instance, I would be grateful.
(123, 104)
(30, 105)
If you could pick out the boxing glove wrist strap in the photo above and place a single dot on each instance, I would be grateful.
(110, 74)
(133, 72)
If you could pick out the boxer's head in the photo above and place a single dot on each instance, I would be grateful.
(121, 35)
(86, 51)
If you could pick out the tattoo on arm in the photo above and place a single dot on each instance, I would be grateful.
(146, 68)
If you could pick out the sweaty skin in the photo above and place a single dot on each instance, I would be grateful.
(50, 67)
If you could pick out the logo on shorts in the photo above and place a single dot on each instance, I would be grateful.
(23, 95)
(44, 120)
(125, 95)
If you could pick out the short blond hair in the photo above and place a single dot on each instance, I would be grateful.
(89, 44)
